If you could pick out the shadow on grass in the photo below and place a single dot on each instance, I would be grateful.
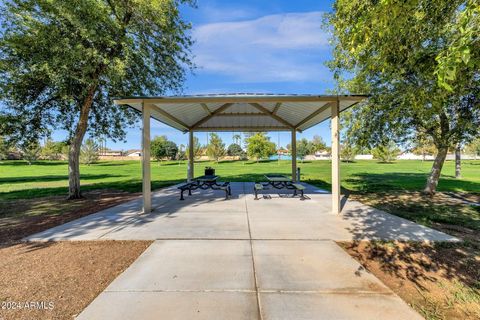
(133, 185)
(260, 161)
(55, 178)
(381, 182)
(35, 163)
(112, 164)
(166, 164)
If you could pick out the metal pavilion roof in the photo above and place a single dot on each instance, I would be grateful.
(242, 111)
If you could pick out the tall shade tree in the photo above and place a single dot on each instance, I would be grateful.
(318, 144)
(61, 62)
(4, 148)
(162, 148)
(419, 60)
(386, 153)
(304, 148)
(473, 148)
(198, 149)
(234, 150)
(259, 146)
(216, 147)
(52, 150)
(89, 152)
(30, 151)
(423, 145)
(237, 139)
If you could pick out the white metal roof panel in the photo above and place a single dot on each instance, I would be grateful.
(242, 111)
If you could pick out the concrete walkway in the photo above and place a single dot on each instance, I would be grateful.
(274, 258)
(241, 279)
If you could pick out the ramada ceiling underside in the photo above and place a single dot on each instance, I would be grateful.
(241, 116)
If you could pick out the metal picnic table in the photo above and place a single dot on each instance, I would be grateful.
(204, 183)
(279, 181)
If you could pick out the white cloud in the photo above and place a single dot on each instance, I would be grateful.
(282, 47)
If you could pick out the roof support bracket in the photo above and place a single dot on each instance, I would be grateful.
(211, 115)
(277, 106)
(272, 115)
(171, 117)
(315, 113)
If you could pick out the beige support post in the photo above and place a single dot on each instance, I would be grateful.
(294, 155)
(146, 185)
(191, 157)
(335, 158)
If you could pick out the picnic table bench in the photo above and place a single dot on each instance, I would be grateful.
(279, 182)
(204, 183)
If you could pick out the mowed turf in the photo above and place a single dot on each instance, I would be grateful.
(19, 180)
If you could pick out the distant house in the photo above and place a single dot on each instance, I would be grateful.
(363, 157)
(14, 155)
(406, 155)
(111, 153)
(283, 152)
(322, 155)
(134, 153)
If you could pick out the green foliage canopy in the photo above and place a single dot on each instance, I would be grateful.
(55, 53)
(62, 62)
(162, 148)
(259, 146)
(216, 147)
(89, 152)
(30, 151)
(386, 153)
(396, 51)
(304, 148)
(52, 150)
(235, 150)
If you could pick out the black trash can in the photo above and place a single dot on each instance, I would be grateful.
(209, 171)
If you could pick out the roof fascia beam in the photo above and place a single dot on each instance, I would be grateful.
(239, 99)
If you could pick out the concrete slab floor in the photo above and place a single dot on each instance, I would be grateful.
(207, 215)
(192, 265)
(273, 258)
(311, 266)
(300, 306)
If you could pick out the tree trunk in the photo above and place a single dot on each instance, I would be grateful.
(458, 162)
(76, 144)
(432, 180)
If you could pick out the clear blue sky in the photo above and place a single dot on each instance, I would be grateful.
(253, 46)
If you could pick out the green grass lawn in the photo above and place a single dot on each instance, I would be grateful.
(19, 180)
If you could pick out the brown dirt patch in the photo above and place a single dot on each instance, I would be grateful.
(68, 274)
(441, 281)
(20, 218)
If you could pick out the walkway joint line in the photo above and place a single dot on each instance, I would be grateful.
(259, 308)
